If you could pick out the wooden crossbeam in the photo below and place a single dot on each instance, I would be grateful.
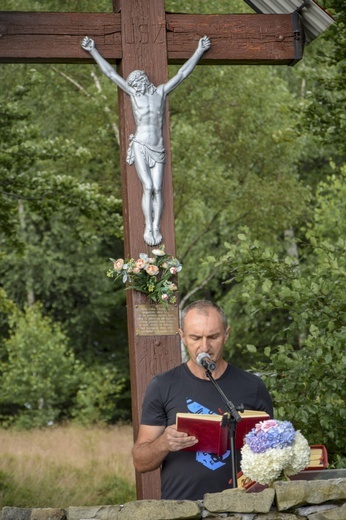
(241, 39)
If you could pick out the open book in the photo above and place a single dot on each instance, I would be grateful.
(212, 430)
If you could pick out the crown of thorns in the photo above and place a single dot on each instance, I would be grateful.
(135, 75)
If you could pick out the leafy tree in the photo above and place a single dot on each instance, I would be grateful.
(24, 177)
(235, 164)
(325, 107)
(103, 396)
(303, 362)
(39, 373)
(38, 239)
(42, 381)
(45, 258)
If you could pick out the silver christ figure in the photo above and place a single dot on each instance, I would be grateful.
(146, 150)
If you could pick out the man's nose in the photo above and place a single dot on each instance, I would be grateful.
(204, 345)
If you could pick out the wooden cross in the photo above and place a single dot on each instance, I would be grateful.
(140, 35)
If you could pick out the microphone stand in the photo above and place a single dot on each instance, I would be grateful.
(233, 420)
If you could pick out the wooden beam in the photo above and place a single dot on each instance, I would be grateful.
(149, 354)
(242, 39)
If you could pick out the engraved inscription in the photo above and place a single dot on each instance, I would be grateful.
(146, 33)
(160, 33)
(129, 35)
(155, 320)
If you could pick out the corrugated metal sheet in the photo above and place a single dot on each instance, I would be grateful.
(315, 19)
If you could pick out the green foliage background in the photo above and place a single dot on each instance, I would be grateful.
(259, 165)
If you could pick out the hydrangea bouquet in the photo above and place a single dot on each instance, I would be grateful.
(273, 449)
(151, 275)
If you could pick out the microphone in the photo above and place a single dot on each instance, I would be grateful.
(203, 360)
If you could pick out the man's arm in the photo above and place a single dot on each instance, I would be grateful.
(184, 71)
(89, 45)
(154, 443)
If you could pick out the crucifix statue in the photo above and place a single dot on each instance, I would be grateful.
(146, 149)
(140, 36)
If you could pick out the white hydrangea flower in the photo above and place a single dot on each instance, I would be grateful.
(264, 467)
(300, 457)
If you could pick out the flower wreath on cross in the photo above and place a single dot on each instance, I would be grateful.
(151, 275)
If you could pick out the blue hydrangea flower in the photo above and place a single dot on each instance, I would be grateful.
(279, 435)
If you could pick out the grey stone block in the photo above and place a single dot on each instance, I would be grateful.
(309, 510)
(94, 512)
(275, 515)
(48, 514)
(337, 513)
(238, 501)
(160, 510)
(300, 492)
(15, 513)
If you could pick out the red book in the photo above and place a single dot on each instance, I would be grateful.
(212, 430)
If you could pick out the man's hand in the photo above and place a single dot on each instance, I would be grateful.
(88, 44)
(204, 43)
(177, 441)
(155, 442)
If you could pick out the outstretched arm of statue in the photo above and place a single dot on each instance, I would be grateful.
(88, 45)
(184, 71)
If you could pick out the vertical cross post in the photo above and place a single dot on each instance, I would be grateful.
(144, 47)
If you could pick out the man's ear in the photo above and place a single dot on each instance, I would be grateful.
(227, 331)
(181, 334)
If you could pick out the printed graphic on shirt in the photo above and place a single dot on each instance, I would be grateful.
(209, 460)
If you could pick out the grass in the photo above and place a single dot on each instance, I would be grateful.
(66, 466)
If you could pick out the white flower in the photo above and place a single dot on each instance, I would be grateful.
(158, 252)
(264, 467)
(300, 456)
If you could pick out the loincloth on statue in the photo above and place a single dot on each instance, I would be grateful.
(151, 154)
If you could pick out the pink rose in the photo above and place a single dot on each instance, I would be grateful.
(118, 264)
(140, 263)
(152, 270)
(164, 297)
(265, 425)
(173, 270)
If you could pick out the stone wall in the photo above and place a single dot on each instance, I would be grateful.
(295, 500)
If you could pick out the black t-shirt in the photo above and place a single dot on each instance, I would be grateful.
(189, 475)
